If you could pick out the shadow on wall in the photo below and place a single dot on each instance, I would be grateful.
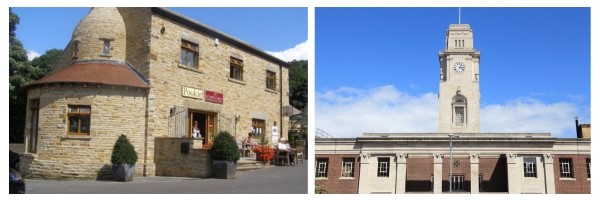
(105, 173)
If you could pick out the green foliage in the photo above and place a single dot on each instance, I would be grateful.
(123, 152)
(263, 140)
(298, 78)
(224, 148)
(21, 73)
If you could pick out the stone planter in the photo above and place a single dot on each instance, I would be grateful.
(123, 172)
(224, 169)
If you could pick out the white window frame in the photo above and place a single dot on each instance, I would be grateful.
(566, 168)
(347, 167)
(529, 168)
(321, 169)
(383, 167)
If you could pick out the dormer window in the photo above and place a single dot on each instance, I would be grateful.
(106, 47)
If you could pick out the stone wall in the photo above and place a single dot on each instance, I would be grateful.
(247, 99)
(494, 174)
(114, 111)
(171, 161)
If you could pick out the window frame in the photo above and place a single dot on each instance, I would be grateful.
(321, 168)
(188, 49)
(236, 68)
(383, 167)
(106, 47)
(271, 80)
(80, 119)
(588, 163)
(347, 163)
(566, 168)
(458, 183)
(529, 168)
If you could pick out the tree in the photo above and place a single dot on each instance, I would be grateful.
(21, 73)
(298, 78)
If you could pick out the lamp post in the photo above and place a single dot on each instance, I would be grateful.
(450, 175)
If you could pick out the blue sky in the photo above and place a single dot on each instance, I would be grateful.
(271, 29)
(377, 68)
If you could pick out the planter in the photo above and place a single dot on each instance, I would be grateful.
(123, 172)
(224, 169)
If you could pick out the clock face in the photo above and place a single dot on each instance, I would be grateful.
(459, 67)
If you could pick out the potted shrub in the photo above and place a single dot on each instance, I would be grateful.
(123, 159)
(225, 154)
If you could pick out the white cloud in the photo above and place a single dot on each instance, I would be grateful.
(530, 115)
(31, 54)
(350, 112)
(299, 52)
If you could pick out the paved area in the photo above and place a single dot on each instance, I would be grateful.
(271, 180)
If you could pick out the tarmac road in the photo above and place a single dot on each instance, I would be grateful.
(272, 180)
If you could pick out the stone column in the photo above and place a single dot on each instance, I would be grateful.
(400, 173)
(514, 180)
(437, 173)
(549, 172)
(364, 185)
(474, 173)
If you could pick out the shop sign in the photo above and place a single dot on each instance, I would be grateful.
(213, 97)
(192, 92)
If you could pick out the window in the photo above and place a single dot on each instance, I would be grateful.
(587, 162)
(75, 49)
(529, 169)
(271, 80)
(106, 48)
(480, 183)
(236, 70)
(348, 167)
(189, 54)
(383, 167)
(566, 170)
(79, 119)
(258, 127)
(459, 116)
(459, 105)
(322, 167)
(457, 183)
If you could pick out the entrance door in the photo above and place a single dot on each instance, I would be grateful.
(206, 124)
(35, 110)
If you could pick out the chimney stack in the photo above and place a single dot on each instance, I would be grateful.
(577, 128)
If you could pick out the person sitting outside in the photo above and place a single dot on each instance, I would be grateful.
(249, 143)
(283, 145)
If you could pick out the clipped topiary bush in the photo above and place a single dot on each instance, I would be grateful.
(224, 148)
(123, 152)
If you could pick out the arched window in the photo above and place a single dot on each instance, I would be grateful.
(459, 107)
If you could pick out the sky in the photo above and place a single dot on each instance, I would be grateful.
(279, 31)
(377, 69)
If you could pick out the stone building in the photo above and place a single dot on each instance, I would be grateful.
(149, 73)
(458, 158)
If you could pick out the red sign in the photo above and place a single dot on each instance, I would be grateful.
(213, 97)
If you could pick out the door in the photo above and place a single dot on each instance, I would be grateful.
(206, 124)
(35, 110)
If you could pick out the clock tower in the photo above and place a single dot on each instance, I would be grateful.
(459, 82)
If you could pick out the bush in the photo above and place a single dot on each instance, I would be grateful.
(123, 152)
(264, 153)
(224, 148)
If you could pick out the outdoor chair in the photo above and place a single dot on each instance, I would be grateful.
(241, 148)
(282, 156)
(299, 154)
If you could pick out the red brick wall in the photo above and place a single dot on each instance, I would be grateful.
(580, 185)
(463, 169)
(334, 184)
(418, 174)
(494, 171)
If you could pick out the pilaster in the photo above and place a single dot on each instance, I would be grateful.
(400, 173)
(549, 172)
(364, 183)
(474, 158)
(437, 173)
(514, 180)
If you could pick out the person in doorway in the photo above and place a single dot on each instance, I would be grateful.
(196, 130)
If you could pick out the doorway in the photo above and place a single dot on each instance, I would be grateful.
(206, 124)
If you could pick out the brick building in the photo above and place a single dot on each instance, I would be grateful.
(459, 158)
(149, 73)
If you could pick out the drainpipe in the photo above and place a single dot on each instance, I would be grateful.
(146, 131)
(281, 102)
